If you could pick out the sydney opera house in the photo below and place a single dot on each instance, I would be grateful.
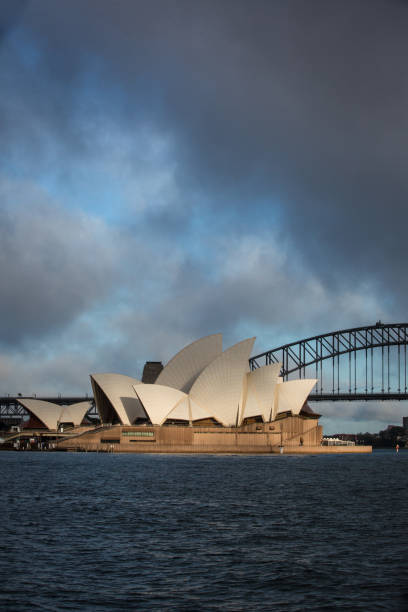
(201, 385)
(205, 399)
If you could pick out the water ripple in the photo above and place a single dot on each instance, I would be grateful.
(154, 532)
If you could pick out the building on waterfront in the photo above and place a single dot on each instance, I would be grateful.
(201, 385)
(204, 400)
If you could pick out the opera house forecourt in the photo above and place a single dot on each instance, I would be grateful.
(205, 400)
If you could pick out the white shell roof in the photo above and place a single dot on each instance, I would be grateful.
(188, 407)
(218, 388)
(121, 394)
(198, 412)
(181, 410)
(184, 368)
(260, 391)
(74, 413)
(52, 414)
(159, 401)
(47, 412)
(291, 395)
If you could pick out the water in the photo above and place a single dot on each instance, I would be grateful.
(171, 532)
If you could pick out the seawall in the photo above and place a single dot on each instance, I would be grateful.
(295, 434)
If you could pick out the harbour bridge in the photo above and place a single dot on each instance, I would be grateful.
(360, 363)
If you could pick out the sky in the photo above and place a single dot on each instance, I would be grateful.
(171, 169)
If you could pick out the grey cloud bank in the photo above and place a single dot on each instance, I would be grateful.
(179, 168)
(51, 263)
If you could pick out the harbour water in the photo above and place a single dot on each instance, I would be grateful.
(170, 532)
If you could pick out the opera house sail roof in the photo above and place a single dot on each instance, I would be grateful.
(218, 388)
(184, 368)
(259, 392)
(291, 395)
(52, 415)
(201, 382)
(116, 399)
(159, 401)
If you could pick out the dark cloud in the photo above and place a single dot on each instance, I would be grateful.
(246, 287)
(53, 264)
(273, 105)
(10, 13)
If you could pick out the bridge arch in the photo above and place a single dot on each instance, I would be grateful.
(307, 356)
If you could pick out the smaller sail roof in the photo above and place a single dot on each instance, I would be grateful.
(159, 401)
(75, 413)
(187, 409)
(181, 411)
(47, 412)
(119, 390)
(291, 395)
(52, 414)
(259, 390)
